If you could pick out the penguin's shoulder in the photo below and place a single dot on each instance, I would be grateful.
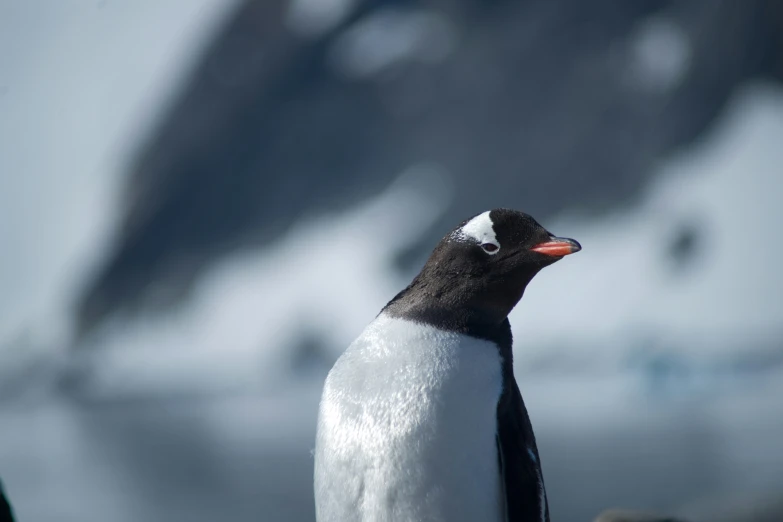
(392, 346)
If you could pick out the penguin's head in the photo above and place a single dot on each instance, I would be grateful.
(483, 266)
(503, 241)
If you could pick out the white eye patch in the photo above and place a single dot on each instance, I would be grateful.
(480, 229)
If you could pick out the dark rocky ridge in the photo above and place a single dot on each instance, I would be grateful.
(532, 109)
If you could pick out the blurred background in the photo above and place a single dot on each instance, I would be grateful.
(202, 202)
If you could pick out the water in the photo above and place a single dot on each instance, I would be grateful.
(247, 457)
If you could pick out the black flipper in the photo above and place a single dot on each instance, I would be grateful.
(520, 465)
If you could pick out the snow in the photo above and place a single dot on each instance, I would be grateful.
(659, 54)
(312, 18)
(620, 289)
(391, 36)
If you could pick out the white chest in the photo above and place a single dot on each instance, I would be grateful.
(407, 427)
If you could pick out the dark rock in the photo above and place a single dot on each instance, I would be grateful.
(685, 246)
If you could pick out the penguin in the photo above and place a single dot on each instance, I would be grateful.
(421, 418)
(6, 514)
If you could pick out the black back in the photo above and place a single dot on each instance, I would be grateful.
(520, 463)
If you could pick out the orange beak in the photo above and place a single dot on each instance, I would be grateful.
(558, 246)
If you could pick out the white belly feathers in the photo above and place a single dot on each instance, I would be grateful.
(406, 429)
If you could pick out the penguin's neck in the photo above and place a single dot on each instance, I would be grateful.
(445, 314)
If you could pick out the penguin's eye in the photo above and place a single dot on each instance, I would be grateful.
(490, 248)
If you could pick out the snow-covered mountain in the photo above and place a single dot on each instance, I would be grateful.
(691, 270)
